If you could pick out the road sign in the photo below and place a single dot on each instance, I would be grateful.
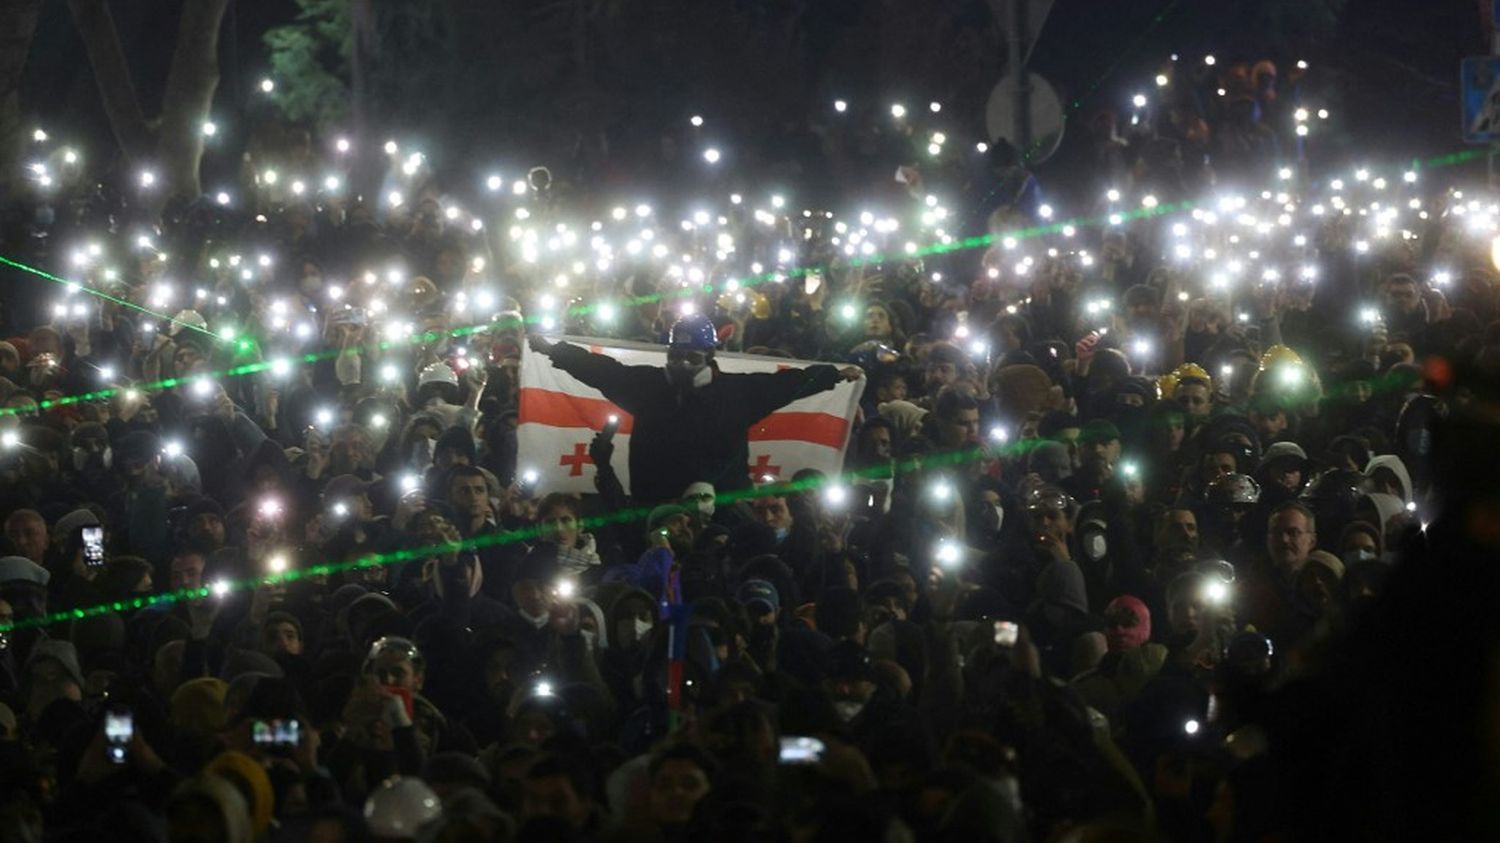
(1479, 98)
(1046, 117)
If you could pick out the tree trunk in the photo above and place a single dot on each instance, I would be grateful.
(191, 82)
(112, 73)
(17, 24)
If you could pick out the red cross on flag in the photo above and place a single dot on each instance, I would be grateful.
(559, 417)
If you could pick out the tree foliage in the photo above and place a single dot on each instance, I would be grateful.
(311, 57)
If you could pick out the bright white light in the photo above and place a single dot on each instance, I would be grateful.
(1045, 212)
(948, 553)
(148, 178)
(267, 86)
(222, 198)
(711, 155)
(220, 588)
(1139, 100)
(172, 449)
(1191, 727)
(898, 111)
(544, 689)
(1161, 80)
(696, 120)
(209, 129)
(1209, 60)
(840, 106)
(277, 564)
(566, 589)
(342, 145)
(281, 367)
(494, 182)
(10, 439)
(1217, 591)
(39, 136)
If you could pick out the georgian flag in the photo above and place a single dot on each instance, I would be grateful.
(560, 415)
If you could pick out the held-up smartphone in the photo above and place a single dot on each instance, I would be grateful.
(93, 546)
(801, 750)
(119, 730)
(1006, 633)
(276, 733)
(611, 427)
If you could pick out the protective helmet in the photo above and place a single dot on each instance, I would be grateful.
(1168, 383)
(1049, 497)
(1233, 490)
(694, 332)
(1334, 495)
(871, 355)
(187, 319)
(400, 806)
(437, 373)
(1277, 354)
(1217, 568)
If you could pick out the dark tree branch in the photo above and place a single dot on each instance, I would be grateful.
(112, 73)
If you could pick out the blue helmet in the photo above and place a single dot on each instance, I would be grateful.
(694, 333)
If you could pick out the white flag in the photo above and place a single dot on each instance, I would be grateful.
(559, 416)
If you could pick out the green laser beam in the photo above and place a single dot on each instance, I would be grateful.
(1015, 449)
(84, 288)
(584, 309)
(222, 588)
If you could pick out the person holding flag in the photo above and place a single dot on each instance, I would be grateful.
(691, 419)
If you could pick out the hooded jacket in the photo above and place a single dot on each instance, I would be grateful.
(1393, 464)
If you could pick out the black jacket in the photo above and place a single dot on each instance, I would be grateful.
(685, 436)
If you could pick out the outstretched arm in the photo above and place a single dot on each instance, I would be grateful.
(765, 393)
(617, 381)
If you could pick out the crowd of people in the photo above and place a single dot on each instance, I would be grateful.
(1116, 489)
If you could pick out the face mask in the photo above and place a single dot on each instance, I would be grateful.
(81, 458)
(994, 517)
(640, 628)
(421, 451)
(590, 639)
(847, 710)
(689, 377)
(537, 621)
(1359, 555)
(782, 533)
